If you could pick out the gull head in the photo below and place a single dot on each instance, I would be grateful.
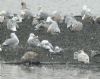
(32, 35)
(49, 19)
(84, 7)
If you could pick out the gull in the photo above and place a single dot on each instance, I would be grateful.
(41, 14)
(57, 49)
(73, 24)
(83, 57)
(3, 15)
(25, 12)
(11, 42)
(33, 40)
(47, 45)
(12, 25)
(1, 18)
(57, 16)
(17, 18)
(86, 12)
(0, 48)
(53, 28)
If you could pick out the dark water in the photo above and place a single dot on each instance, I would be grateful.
(47, 72)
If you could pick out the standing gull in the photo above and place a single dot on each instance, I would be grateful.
(86, 12)
(0, 48)
(12, 25)
(17, 18)
(2, 16)
(87, 15)
(25, 12)
(41, 14)
(11, 42)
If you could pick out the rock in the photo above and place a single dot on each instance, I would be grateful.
(29, 56)
(96, 58)
(97, 20)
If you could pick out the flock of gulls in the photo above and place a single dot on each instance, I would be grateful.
(48, 22)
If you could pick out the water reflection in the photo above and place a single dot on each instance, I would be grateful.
(46, 72)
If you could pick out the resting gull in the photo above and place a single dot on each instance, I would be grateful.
(53, 27)
(57, 16)
(57, 49)
(33, 40)
(47, 45)
(73, 24)
(81, 56)
(11, 42)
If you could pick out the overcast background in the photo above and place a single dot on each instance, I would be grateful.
(65, 6)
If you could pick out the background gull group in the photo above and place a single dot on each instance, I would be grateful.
(47, 22)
